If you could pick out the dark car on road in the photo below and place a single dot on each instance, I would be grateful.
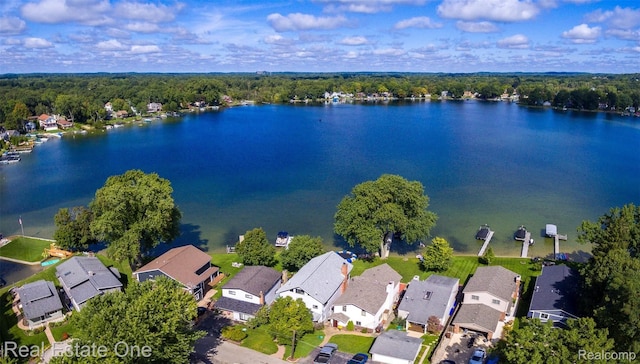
(325, 354)
(359, 358)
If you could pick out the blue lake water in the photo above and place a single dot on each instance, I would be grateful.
(284, 167)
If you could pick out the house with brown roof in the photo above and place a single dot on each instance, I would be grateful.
(63, 123)
(47, 122)
(368, 299)
(249, 290)
(187, 265)
(489, 298)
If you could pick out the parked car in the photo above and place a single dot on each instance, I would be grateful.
(359, 358)
(478, 356)
(325, 354)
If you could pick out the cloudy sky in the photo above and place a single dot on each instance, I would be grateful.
(319, 35)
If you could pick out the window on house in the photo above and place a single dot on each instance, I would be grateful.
(544, 316)
(244, 316)
(358, 323)
(298, 291)
(495, 302)
(233, 293)
(315, 307)
(344, 308)
(363, 313)
(248, 296)
(475, 297)
(427, 295)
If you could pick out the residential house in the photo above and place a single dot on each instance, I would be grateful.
(319, 283)
(47, 122)
(154, 107)
(489, 297)
(435, 296)
(108, 107)
(121, 114)
(395, 347)
(368, 300)
(83, 278)
(63, 123)
(249, 290)
(40, 303)
(188, 265)
(555, 294)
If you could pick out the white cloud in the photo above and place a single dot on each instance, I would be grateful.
(354, 41)
(141, 49)
(495, 10)
(110, 45)
(389, 52)
(142, 27)
(476, 27)
(417, 22)
(365, 6)
(624, 34)
(299, 21)
(146, 11)
(620, 18)
(12, 25)
(37, 43)
(517, 41)
(89, 12)
(277, 39)
(582, 34)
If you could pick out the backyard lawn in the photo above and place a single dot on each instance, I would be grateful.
(352, 344)
(25, 249)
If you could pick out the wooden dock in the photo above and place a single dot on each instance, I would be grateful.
(525, 245)
(556, 244)
(486, 243)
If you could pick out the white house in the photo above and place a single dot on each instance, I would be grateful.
(319, 283)
(368, 299)
(249, 290)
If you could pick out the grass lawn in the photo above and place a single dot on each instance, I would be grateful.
(260, 340)
(305, 345)
(26, 249)
(66, 327)
(352, 343)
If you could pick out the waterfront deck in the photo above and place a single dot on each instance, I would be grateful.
(486, 243)
(525, 245)
(556, 244)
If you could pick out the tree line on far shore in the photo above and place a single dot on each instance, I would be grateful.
(82, 97)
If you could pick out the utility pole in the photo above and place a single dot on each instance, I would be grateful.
(293, 344)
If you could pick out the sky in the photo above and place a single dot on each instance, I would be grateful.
(452, 36)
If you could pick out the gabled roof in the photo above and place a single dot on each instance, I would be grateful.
(369, 290)
(427, 298)
(86, 277)
(478, 317)
(254, 279)
(496, 280)
(181, 264)
(230, 304)
(396, 344)
(38, 299)
(43, 117)
(556, 289)
(320, 277)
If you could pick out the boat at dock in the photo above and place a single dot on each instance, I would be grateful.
(520, 234)
(483, 232)
(283, 239)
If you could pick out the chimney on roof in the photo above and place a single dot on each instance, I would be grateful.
(345, 277)
(285, 276)
(261, 298)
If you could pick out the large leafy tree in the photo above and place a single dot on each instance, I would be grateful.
(73, 229)
(388, 204)
(618, 229)
(301, 250)
(437, 255)
(288, 318)
(133, 213)
(155, 314)
(255, 249)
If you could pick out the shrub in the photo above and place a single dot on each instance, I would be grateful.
(350, 326)
(235, 333)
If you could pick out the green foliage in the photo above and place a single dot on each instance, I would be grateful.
(133, 213)
(154, 314)
(73, 229)
(255, 249)
(618, 229)
(390, 203)
(287, 316)
(437, 255)
(235, 333)
(487, 257)
(301, 250)
(350, 326)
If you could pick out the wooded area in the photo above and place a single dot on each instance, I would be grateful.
(82, 97)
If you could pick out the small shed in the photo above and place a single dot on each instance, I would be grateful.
(395, 347)
(551, 230)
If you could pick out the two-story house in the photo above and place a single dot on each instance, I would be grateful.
(319, 283)
(83, 278)
(489, 297)
(249, 290)
(433, 297)
(188, 265)
(368, 299)
(555, 295)
(40, 303)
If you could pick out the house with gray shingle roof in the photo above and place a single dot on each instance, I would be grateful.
(83, 278)
(395, 347)
(40, 303)
(319, 283)
(555, 295)
(489, 297)
(435, 296)
(368, 299)
(187, 265)
(249, 290)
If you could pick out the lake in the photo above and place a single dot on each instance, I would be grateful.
(283, 167)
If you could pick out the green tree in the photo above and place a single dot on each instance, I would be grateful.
(618, 229)
(155, 314)
(388, 204)
(437, 255)
(487, 257)
(301, 249)
(255, 249)
(287, 317)
(133, 213)
(73, 228)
